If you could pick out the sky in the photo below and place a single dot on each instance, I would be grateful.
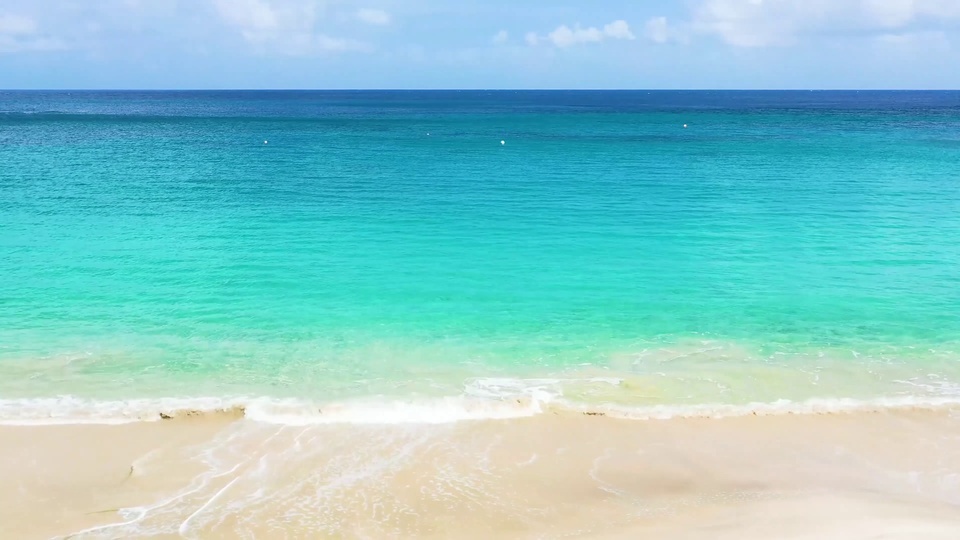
(590, 44)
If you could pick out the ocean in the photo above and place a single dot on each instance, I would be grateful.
(431, 256)
(476, 314)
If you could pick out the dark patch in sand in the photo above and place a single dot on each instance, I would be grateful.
(231, 412)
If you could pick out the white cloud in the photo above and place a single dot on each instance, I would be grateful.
(376, 17)
(565, 36)
(618, 29)
(898, 13)
(761, 23)
(11, 44)
(501, 37)
(755, 23)
(924, 42)
(889, 13)
(256, 17)
(657, 30)
(285, 26)
(19, 33)
(17, 25)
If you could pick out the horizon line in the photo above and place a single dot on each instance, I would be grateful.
(479, 89)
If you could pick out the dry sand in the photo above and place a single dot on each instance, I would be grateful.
(854, 476)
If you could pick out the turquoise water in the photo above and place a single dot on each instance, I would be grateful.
(336, 246)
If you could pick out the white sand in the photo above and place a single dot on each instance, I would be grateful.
(864, 476)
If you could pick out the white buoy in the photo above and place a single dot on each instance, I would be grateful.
(684, 125)
(503, 143)
(265, 141)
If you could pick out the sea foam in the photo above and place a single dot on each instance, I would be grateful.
(296, 412)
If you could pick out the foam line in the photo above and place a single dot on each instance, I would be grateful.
(287, 412)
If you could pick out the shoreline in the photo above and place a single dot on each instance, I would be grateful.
(70, 411)
(791, 476)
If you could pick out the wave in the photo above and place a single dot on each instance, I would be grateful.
(295, 412)
(783, 407)
(73, 410)
(67, 410)
(30, 113)
(37, 116)
(157, 116)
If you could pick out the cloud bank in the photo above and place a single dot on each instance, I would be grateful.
(564, 36)
(289, 26)
(764, 23)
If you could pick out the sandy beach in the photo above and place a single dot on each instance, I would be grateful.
(849, 476)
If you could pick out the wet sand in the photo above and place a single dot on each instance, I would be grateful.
(851, 476)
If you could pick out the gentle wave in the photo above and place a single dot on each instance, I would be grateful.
(148, 116)
(783, 407)
(75, 410)
(72, 410)
(31, 113)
